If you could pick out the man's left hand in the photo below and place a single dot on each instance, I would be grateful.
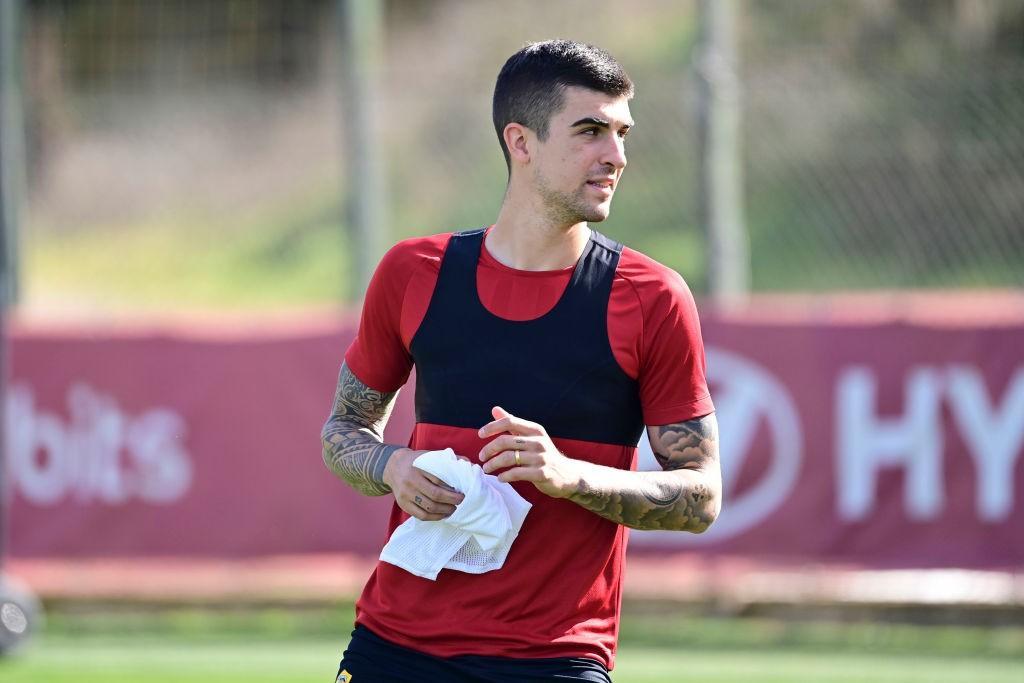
(553, 473)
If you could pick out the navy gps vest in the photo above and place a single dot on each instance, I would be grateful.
(557, 370)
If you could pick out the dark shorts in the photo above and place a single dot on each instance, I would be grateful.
(371, 659)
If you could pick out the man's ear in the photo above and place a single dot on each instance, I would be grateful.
(519, 140)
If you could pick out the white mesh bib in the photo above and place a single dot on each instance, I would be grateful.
(475, 538)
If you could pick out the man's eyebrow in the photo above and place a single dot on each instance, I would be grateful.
(594, 121)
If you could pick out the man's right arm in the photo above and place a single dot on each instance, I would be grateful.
(352, 437)
(354, 450)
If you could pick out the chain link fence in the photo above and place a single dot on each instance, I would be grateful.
(885, 147)
(186, 153)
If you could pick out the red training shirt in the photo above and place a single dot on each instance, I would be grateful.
(558, 594)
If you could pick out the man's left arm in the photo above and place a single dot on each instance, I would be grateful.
(685, 496)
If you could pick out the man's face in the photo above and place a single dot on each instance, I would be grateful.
(577, 169)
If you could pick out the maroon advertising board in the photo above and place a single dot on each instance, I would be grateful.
(887, 444)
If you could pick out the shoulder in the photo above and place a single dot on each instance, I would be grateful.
(655, 285)
(402, 265)
(409, 254)
(673, 385)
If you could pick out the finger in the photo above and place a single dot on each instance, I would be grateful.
(437, 490)
(444, 496)
(505, 459)
(440, 482)
(520, 474)
(507, 442)
(420, 513)
(511, 423)
(432, 507)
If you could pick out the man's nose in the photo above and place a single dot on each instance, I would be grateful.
(615, 153)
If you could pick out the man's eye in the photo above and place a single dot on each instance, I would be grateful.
(589, 131)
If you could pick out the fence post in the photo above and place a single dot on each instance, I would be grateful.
(12, 158)
(361, 37)
(721, 159)
(19, 608)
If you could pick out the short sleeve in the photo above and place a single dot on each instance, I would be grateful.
(672, 377)
(377, 356)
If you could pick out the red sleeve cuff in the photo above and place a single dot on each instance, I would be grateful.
(666, 415)
(380, 381)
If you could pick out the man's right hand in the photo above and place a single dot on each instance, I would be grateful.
(422, 495)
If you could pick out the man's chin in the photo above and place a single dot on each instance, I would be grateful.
(598, 214)
(591, 213)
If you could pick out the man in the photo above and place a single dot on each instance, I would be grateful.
(542, 348)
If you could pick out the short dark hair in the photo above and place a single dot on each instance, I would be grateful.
(531, 85)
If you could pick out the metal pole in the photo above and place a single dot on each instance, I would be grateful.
(361, 39)
(19, 609)
(721, 155)
(12, 136)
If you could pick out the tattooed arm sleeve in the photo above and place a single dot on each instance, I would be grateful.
(353, 446)
(685, 496)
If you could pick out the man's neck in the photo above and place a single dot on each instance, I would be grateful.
(524, 240)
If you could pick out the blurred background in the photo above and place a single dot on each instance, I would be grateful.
(194, 194)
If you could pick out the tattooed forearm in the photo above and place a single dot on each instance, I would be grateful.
(352, 436)
(691, 445)
(686, 496)
(649, 500)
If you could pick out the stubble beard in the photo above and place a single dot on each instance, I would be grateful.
(565, 208)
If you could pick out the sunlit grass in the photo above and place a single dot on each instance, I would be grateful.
(128, 660)
(167, 644)
(279, 255)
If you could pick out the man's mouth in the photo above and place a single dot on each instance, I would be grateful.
(603, 184)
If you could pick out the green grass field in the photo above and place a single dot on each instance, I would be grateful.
(132, 660)
(658, 643)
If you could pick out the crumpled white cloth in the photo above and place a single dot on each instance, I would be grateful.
(475, 538)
